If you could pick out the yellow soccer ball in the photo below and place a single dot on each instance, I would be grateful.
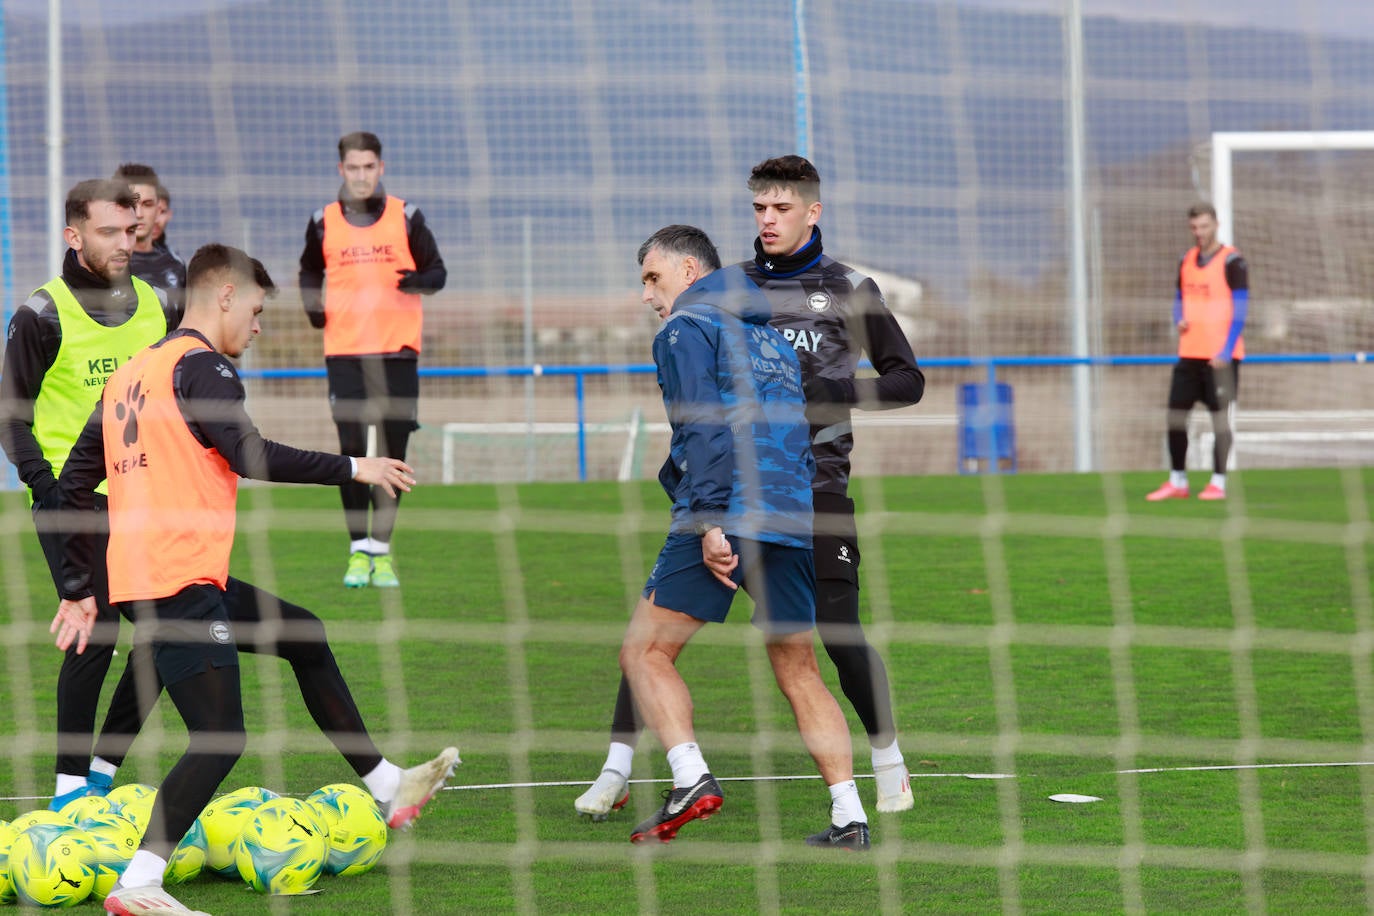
(222, 821)
(283, 847)
(188, 859)
(357, 831)
(116, 839)
(52, 865)
(7, 838)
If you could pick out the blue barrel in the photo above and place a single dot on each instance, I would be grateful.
(987, 430)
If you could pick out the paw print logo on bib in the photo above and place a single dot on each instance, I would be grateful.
(127, 411)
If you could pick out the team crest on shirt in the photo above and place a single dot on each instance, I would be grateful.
(171, 279)
(818, 301)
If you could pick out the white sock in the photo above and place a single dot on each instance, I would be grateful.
(619, 758)
(383, 781)
(104, 767)
(68, 783)
(362, 546)
(378, 548)
(1179, 479)
(144, 869)
(1219, 481)
(845, 805)
(887, 756)
(687, 763)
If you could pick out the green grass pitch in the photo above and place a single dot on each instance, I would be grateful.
(1178, 661)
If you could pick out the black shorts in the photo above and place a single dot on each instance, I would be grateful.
(189, 632)
(1195, 380)
(836, 538)
(373, 389)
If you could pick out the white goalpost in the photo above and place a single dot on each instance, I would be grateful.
(1283, 436)
(1226, 143)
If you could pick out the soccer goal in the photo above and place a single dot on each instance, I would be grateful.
(545, 450)
(1300, 206)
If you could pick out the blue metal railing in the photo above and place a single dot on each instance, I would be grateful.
(989, 364)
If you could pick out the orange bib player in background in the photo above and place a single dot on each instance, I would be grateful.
(368, 259)
(1209, 313)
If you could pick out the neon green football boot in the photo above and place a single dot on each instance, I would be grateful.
(359, 570)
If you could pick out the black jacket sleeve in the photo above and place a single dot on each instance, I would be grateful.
(81, 474)
(430, 272)
(211, 396)
(30, 349)
(900, 381)
(311, 276)
(1237, 272)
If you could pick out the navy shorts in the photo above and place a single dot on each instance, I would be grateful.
(190, 632)
(781, 581)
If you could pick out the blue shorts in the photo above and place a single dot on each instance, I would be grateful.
(781, 580)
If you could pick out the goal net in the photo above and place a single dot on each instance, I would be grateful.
(1201, 670)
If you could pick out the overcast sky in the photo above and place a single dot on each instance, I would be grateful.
(1333, 17)
(1354, 17)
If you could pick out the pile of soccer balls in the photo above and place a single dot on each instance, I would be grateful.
(279, 845)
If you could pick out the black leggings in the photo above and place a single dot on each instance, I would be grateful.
(263, 624)
(211, 705)
(379, 392)
(81, 677)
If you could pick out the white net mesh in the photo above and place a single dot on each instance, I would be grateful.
(544, 141)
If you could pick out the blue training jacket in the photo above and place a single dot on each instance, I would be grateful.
(740, 455)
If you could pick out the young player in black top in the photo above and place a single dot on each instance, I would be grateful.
(832, 315)
(172, 604)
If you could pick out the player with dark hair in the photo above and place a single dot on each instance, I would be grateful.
(1210, 307)
(164, 216)
(157, 265)
(739, 475)
(831, 315)
(173, 434)
(63, 343)
(368, 259)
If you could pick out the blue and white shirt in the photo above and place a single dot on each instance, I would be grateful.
(740, 455)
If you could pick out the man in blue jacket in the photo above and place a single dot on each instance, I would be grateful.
(739, 474)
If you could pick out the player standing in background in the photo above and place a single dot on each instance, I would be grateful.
(368, 258)
(164, 216)
(63, 344)
(172, 431)
(158, 266)
(739, 475)
(830, 314)
(1209, 311)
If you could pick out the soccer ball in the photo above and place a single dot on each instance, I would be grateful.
(43, 816)
(116, 839)
(7, 837)
(283, 847)
(188, 859)
(51, 865)
(122, 795)
(134, 801)
(223, 820)
(78, 809)
(357, 832)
